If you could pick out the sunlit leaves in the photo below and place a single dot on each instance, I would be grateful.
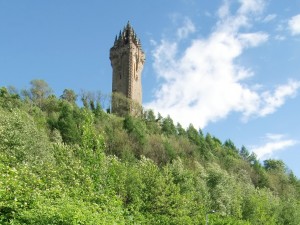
(20, 138)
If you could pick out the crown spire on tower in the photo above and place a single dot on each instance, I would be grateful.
(127, 36)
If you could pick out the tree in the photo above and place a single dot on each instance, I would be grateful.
(9, 100)
(193, 135)
(136, 128)
(39, 91)
(90, 139)
(21, 139)
(69, 95)
(168, 126)
(229, 144)
(152, 125)
(180, 130)
(149, 115)
(244, 153)
(68, 124)
(274, 165)
(87, 99)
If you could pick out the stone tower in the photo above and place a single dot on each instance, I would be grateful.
(127, 61)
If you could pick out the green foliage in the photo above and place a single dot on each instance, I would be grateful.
(149, 116)
(136, 128)
(62, 164)
(152, 123)
(21, 139)
(274, 165)
(9, 101)
(38, 92)
(69, 95)
(193, 135)
(122, 105)
(90, 139)
(261, 207)
(69, 122)
(168, 127)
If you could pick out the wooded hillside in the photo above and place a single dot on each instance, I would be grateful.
(61, 163)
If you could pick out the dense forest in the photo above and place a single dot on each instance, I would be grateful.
(67, 160)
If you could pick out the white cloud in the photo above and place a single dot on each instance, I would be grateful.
(187, 28)
(251, 6)
(224, 10)
(273, 143)
(204, 83)
(294, 25)
(253, 39)
(272, 101)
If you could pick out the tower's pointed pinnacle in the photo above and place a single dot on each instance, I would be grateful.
(127, 36)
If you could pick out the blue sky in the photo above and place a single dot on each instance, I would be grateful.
(229, 67)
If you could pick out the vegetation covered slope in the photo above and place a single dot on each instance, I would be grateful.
(65, 164)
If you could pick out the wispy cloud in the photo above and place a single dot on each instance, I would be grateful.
(272, 144)
(251, 6)
(269, 18)
(187, 28)
(294, 25)
(272, 101)
(253, 39)
(204, 83)
(280, 37)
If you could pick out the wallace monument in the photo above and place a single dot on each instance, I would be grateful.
(127, 61)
